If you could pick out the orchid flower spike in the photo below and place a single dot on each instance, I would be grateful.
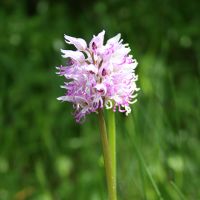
(99, 75)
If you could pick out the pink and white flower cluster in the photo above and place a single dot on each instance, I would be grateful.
(99, 75)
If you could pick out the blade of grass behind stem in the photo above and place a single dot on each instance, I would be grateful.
(141, 159)
(181, 195)
(148, 172)
(141, 168)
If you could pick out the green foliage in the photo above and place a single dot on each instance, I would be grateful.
(45, 155)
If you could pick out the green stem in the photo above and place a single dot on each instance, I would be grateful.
(107, 157)
(112, 142)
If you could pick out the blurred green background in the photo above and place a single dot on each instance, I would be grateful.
(45, 155)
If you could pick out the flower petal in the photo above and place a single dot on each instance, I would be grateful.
(91, 68)
(114, 39)
(79, 43)
(76, 55)
(64, 98)
(108, 104)
(97, 41)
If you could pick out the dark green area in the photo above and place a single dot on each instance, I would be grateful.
(45, 155)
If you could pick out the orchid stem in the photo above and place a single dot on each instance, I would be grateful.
(112, 142)
(107, 157)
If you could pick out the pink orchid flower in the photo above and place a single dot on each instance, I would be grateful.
(99, 75)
